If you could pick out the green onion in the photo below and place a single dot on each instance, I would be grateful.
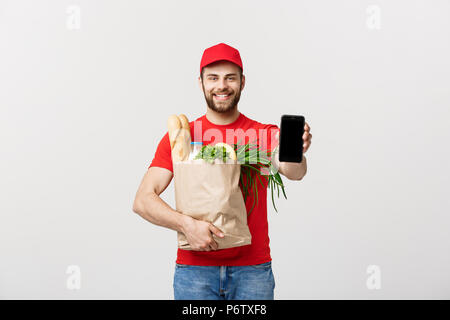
(248, 155)
(251, 163)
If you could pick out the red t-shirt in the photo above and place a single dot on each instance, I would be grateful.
(258, 251)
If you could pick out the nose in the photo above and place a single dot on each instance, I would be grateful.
(222, 84)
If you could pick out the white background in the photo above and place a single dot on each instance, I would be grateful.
(82, 111)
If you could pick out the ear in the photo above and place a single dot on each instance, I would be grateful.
(243, 82)
(200, 83)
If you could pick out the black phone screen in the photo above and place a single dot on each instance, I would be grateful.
(291, 138)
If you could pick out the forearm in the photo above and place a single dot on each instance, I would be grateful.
(294, 170)
(155, 210)
(291, 170)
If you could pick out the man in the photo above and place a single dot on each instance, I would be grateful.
(205, 272)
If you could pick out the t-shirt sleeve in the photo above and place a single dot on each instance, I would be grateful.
(269, 140)
(163, 154)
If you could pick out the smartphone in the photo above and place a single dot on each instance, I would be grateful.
(292, 128)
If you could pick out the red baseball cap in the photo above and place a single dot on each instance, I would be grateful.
(218, 52)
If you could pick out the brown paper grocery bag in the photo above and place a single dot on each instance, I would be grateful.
(210, 192)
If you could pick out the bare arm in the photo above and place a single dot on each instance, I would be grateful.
(150, 206)
(291, 170)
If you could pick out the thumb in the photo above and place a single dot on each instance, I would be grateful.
(216, 231)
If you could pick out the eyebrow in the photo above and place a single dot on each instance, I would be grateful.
(229, 74)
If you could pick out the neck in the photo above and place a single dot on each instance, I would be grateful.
(222, 118)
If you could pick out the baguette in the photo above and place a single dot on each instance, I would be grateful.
(174, 126)
(180, 137)
(184, 122)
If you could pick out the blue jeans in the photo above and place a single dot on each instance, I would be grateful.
(253, 282)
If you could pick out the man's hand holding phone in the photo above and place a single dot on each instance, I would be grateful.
(293, 141)
(306, 138)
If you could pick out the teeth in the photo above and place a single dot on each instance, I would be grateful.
(222, 95)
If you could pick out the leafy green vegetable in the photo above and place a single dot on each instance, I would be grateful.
(252, 163)
(210, 153)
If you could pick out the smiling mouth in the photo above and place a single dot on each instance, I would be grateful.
(221, 97)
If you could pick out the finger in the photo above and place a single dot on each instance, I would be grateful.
(216, 231)
(306, 147)
(307, 128)
(214, 245)
(307, 137)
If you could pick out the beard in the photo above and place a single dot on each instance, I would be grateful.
(222, 106)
